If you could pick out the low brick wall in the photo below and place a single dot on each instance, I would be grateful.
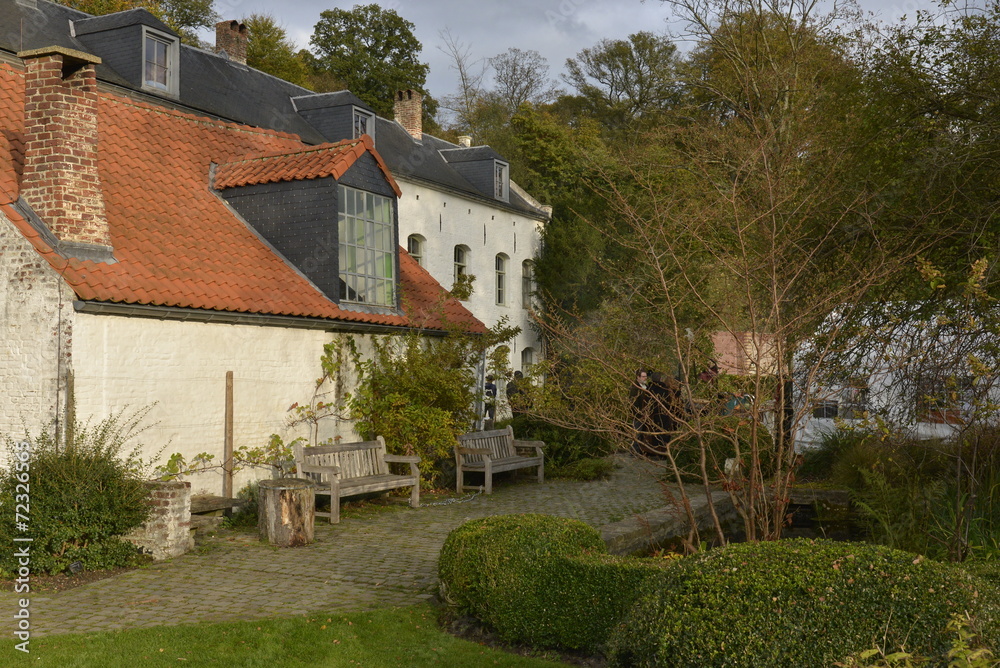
(167, 532)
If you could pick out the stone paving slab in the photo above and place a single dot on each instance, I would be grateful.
(387, 559)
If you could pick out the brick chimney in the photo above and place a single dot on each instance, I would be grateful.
(231, 37)
(60, 179)
(408, 110)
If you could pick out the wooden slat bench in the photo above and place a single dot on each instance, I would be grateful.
(346, 469)
(494, 451)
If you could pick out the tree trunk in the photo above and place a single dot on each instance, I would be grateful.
(286, 511)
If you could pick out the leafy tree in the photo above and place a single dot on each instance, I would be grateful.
(624, 80)
(270, 50)
(373, 52)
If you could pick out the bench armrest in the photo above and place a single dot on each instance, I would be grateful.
(412, 460)
(308, 468)
(537, 445)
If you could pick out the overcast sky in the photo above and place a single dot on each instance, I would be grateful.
(558, 29)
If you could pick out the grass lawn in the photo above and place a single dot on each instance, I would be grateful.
(403, 637)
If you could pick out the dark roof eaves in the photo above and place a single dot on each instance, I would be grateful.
(243, 318)
(531, 212)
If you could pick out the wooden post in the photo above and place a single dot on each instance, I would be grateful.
(227, 454)
(286, 511)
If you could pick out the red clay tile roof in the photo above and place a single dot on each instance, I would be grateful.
(176, 242)
(313, 162)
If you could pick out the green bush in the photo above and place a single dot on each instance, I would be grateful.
(583, 469)
(722, 433)
(245, 517)
(818, 461)
(83, 497)
(796, 603)
(540, 580)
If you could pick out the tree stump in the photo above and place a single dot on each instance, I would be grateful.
(286, 511)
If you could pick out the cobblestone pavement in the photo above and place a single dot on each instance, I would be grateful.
(385, 558)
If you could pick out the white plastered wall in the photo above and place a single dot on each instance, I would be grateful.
(446, 220)
(179, 368)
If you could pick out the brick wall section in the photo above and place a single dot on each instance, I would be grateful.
(408, 109)
(231, 37)
(60, 150)
(167, 533)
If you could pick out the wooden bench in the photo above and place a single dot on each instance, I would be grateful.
(490, 452)
(346, 469)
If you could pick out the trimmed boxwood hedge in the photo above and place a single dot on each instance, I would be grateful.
(796, 603)
(540, 580)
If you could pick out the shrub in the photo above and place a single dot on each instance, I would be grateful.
(583, 469)
(83, 496)
(540, 580)
(796, 603)
(818, 461)
(245, 517)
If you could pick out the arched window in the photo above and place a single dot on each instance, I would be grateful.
(415, 247)
(501, 278)
(461, 261)
(527, 283)
(527, 359)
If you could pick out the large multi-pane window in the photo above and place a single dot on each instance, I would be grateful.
(367, 247)
(501, 279)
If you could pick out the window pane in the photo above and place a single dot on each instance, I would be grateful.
(368, 244)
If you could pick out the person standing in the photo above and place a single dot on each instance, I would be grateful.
(490, 390)
(515, 394)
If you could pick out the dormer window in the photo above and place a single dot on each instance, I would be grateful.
(367, 247)
(364, 123)
(160, 62)
(501, 181)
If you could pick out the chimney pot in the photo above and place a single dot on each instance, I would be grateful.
(231, 37)
(465, 141)
(408, 110)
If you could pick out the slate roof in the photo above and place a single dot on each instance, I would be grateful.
(176, 242)
(212, 85)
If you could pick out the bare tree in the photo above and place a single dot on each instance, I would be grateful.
(743, 220)
(470, 74)
(520, 77)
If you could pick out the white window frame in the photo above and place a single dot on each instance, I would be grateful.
(501, 275)
(501, 180)
(527, 359)
(415, 247)
(171, 67)
(357, 114)
(367, 257)
(527, 283)
(461, 262)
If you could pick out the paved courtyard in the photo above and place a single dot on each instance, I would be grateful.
(382, 558)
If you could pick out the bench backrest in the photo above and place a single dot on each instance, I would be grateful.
(500, 443)
(355, 460)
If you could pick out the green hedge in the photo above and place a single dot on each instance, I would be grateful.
(796, 603)
(540, 580)
(84, 497)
